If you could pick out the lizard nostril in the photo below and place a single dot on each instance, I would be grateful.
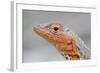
(56, 28)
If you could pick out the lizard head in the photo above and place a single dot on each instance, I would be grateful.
(55, 34)
(51, 32)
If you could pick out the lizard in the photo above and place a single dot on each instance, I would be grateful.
(65, 43)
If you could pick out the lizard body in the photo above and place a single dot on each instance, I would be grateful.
(64, 42)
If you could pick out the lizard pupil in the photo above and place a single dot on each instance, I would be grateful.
(55, 28)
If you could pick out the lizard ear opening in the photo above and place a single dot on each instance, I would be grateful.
(69, 42)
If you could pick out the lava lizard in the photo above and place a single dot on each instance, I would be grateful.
(66, 43)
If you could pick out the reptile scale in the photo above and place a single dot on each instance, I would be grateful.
(70, 46)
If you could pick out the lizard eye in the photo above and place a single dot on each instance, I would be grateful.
(56, 28)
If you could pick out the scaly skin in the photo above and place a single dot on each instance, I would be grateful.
(64, 42)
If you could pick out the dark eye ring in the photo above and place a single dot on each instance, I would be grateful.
(56, 28)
